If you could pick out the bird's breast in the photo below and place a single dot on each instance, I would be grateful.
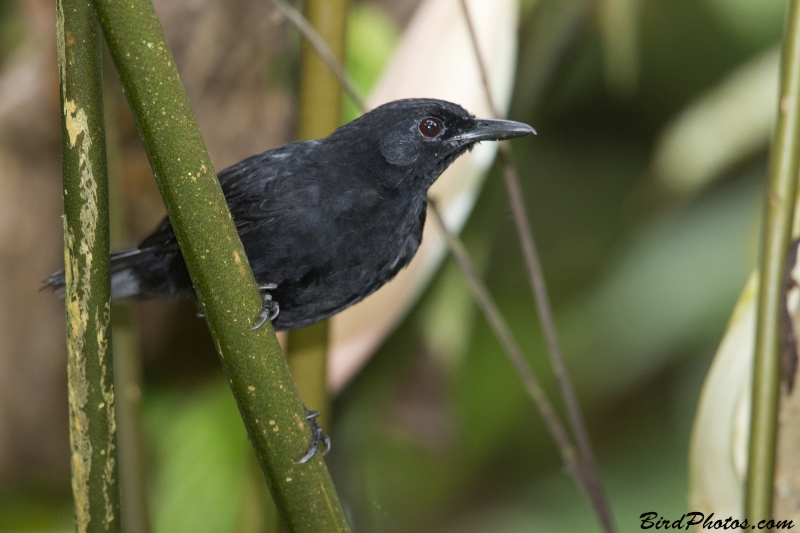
(384, 236)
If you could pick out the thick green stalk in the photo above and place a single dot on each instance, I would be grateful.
(86, 270)
(319, 113)
(781, 193)
(221, 274)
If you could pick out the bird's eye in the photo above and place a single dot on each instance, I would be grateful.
(430, 127)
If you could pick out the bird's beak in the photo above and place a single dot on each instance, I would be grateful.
(493, 130)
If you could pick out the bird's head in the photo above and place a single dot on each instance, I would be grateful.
(419, 138)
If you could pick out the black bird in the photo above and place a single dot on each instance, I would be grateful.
(324, 223)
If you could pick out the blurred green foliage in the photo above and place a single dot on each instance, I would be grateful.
(751, 23)
(199, 460)
(437, 434)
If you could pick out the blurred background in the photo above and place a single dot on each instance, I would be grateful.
(644, 188)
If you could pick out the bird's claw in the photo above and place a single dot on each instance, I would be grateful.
(270, 308)
(317, 436)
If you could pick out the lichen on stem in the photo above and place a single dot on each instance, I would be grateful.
(86, 271)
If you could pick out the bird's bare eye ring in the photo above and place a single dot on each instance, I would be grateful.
(430, 127)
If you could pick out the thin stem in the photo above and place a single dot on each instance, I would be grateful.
(128, 381)
(778, 211)
(543, 307)
(95, 479)
(267, 398)
(569, 397)
(312, 37)
(503, 334)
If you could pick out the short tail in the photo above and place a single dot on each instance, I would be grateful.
(124, 281)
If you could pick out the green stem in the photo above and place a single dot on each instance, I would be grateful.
(307, 354)
(127, 351)
(86, 270)
(320, 93)
(781, 193)
(319, 113)
(128, 382)
(222, 278)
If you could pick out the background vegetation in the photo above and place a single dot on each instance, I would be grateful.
(644, 188)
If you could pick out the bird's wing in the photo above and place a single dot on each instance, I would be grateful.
(245, 185)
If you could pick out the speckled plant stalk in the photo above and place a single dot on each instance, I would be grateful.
(222, 278)
(86, 270)
(319, 113)
(784, 164)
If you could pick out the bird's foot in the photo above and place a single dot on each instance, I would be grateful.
(317, 436)
(270, 309)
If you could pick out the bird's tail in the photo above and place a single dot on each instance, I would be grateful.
(124, 280)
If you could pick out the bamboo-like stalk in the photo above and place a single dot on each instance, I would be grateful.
(320, 93)
(86, 270)
(778, 211)
(319, 113)
(222, 278)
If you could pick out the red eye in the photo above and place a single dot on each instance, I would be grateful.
(430, 127)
